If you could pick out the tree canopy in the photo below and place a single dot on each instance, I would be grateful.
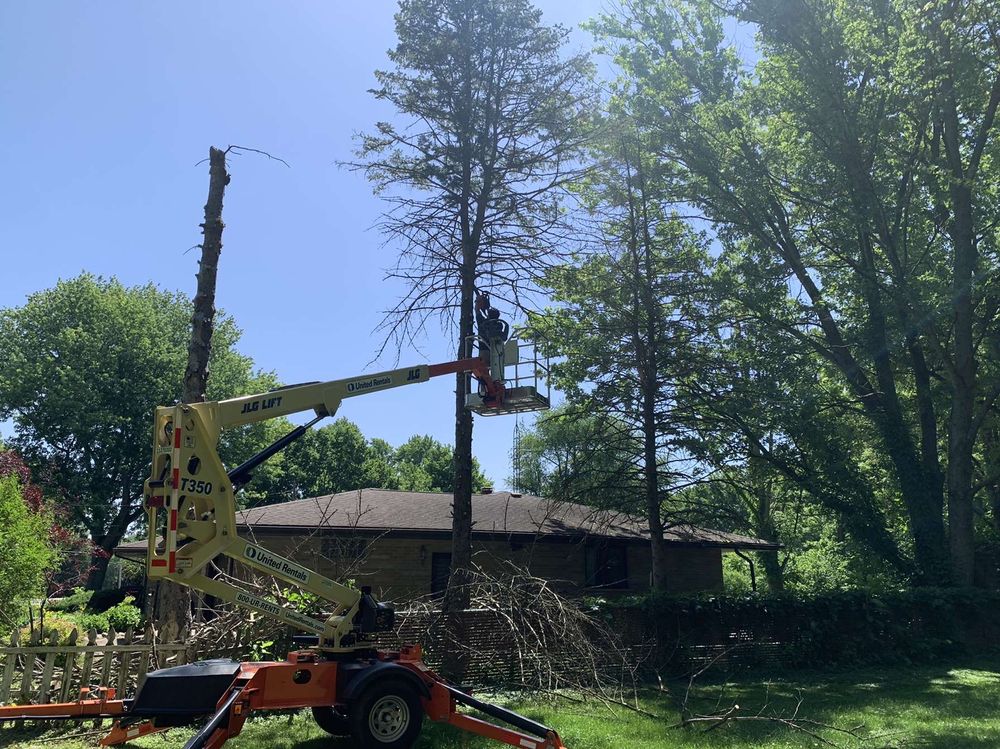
(338, 457)
(849, 176)
(85, 364)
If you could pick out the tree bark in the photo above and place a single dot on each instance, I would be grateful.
(763, 517)
(651, 481)
(461, 539)
(98, 571)
(961, 436)
(203, 317)
(961, 520)
(173, 602)
(457, 596)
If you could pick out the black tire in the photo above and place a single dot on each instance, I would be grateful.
(386, 715)
(334, 723)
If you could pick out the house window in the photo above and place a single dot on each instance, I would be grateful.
(606, 564)
(348, 549)
(440, 570)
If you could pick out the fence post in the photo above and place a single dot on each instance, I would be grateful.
(8, 669)
(88, 659)
(109, 656)
(29, 667)
(50, 664)
(140, 677)
(68, 665)
(123, 664)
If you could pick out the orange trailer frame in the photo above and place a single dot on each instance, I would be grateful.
(303, 680)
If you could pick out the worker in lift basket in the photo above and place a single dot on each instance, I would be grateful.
(493, 333)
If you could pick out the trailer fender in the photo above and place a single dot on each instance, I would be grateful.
(356, 679)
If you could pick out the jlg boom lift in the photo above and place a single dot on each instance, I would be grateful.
(377, 697)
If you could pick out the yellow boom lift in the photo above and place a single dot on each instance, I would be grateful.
(377, 697)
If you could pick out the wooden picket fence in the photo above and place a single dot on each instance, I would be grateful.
(43, 670)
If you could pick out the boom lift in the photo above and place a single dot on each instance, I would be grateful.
(377, 697)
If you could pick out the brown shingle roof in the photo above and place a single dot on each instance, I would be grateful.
(503, 513)
(495, 513)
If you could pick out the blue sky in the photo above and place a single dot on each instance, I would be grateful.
(105, 108)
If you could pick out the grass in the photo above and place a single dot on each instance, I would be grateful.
(931, 707)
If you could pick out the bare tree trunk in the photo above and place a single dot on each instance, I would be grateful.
(203, 318)
(651, 392)
(173, 602)
(646, 314)
(456, 598)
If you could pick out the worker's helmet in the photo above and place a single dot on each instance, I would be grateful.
(493, 314)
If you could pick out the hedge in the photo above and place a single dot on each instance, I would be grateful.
(845, 628)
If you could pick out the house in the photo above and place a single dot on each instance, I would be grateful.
(399, 542)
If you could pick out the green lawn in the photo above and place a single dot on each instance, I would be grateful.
(951, 707)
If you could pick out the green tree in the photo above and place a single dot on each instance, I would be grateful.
(771, 427)
(338, 458)
(25, 548)
(85, 363)
(377, 468)
(574, 456)
(424, 464)
(327, 460)
(855, 166)
(492, 130)
(626, 321)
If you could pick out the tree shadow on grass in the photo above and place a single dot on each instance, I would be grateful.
(938, 707)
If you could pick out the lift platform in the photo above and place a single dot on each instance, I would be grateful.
(526, 383)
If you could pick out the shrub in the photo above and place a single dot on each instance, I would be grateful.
(124, 615)
(88, 622)
(63, 625)
(736, 575)
(76, 601)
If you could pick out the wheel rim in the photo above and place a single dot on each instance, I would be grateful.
(388, 718)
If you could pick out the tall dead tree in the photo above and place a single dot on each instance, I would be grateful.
(492, 120)
(173, 602)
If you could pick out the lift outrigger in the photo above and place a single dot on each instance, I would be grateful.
(377, 697)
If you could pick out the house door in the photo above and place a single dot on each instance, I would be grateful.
(440, 569)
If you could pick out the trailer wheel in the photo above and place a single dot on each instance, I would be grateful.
(387, 715)
(331, 721)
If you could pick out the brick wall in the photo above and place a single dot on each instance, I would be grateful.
(400, 568)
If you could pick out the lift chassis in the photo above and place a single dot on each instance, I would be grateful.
(377, 697)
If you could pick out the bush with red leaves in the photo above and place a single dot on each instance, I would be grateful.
(11, 462)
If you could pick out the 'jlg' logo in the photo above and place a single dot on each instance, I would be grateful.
(413, 374)
(262, 405)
